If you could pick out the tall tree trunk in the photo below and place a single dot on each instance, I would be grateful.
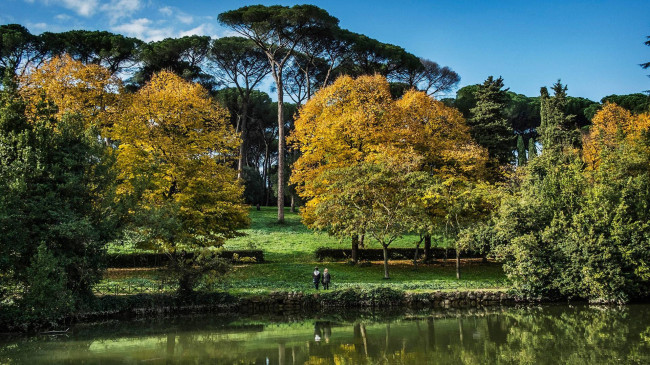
(355, 248)
(457, 263)
(281, 146)
(385, 261)
(427, 248)
(265, 172)
(244, 137)
(293, 203)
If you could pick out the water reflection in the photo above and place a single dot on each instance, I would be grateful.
(542, 335)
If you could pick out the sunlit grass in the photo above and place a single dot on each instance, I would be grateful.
(289, 252)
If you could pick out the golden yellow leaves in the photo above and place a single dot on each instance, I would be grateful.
(356, 122)
(73, 88)
(612, 125)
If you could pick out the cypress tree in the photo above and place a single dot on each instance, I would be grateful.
(488, 125)
(532, 149)
(557, 129)
(521, 151)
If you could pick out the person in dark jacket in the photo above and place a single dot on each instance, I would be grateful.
(317, 277)
(326, 279)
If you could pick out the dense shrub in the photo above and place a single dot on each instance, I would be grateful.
(579, 234)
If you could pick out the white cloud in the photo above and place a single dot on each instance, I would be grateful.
(185, 19)
(166, 10)
(144, 29)
(118, 9)
(37, 26)
(203, 29)
(82, 7)
(63, 17)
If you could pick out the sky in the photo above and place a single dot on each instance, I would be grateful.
(595, 47)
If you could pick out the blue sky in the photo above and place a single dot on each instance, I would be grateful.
(595, 47)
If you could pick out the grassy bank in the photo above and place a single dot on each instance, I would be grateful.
(289, 252)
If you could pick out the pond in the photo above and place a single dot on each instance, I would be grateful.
(532, 335)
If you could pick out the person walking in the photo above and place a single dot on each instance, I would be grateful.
(317, 277)
(326, 279)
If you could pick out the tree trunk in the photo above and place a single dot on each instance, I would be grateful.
(265, 176)
(385, 261)
(281, 147)
(415, 258)
(457, 264)
(293, 203)
(244, 136)
(355, 249)
(427, 248)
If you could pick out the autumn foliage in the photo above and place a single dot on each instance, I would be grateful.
(71, 87)
(367, 161)
(612, 125)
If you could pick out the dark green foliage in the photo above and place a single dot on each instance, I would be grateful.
(532, 149)
(17, 48)
(488, 125)
(47, 298)
(523, 113)
(254, 186)
(113, 51)
(557, 129)
(521, 151)
(183, 56)
(466, 100)
(581, 109)
(57, 191)
(573, 233)
(636, 103)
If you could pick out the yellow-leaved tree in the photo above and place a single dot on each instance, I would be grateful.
(66, 86)
(367, 160)
(175, 156)
(611, 126)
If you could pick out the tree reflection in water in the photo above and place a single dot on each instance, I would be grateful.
(539, 335)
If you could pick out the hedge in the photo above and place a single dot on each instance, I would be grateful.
(156, 259)
(377, 254)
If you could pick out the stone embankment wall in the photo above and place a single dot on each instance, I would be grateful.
(296, 301)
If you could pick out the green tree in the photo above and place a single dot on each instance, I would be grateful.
(113, 51)
(377, 197)
(557, 129)
(521, 151)
(489, 126)
(636, 103)
(240, 63)
(277, 31)
(19, 49)
(576, 232)
(532, 148)
(58, 193)
(183, 56)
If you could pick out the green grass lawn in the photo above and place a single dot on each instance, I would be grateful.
(289, 252)
(292, 241)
